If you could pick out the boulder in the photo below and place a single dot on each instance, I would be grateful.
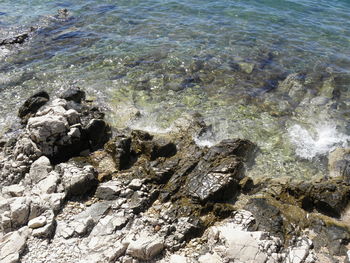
(109, 190)
(39, 170)
(33, 104)
(73, 94)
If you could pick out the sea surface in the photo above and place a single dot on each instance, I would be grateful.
(275, 72)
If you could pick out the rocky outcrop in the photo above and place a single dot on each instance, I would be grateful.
(71, 194)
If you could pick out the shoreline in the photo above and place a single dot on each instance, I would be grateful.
(75, 190)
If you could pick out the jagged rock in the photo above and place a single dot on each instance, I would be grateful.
(46, 230)
(39, 170)
(77, 177)
(74, 94)
(15, 190)
(218, 173)
(108, 225)
(146, 246)
(97, 131)
(268, 217)
(20, 208)
(47, 185)
(135, 184)
(109, 190)
(104, 164)
(12, 245)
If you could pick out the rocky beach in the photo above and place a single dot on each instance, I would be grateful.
(75, 189)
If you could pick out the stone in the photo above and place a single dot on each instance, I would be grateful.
(33, 104)
(77, 178)
(146, 247)
(15, 190)
(47, 230)
(177, 259)
(108, 191)
(246, 67)
(72, 116)
(47, 128)
(39, 170)
(47, 185)
(73, 94)
(12, 245)
(20, 208)
(268, 217)
(37, 222)
(108, 225)
(98, 133)
(339, 163)
(210, 258)
(135, 184)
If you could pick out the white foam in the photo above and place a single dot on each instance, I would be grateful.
(327, 138)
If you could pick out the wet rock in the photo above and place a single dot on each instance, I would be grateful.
(12, 245)
(33, 104)
(73, 94)
(96, 131)
(120, 150)
(339, 163)
(268, 217)
(19, 39)
(217, 175)
(246, 67)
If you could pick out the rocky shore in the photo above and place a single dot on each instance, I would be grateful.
(74, 189)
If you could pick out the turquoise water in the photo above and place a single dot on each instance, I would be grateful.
(224, 59)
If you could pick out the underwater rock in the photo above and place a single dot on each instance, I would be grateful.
(339, 163)
(73, 94)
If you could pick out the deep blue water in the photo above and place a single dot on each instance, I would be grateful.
(223, 59)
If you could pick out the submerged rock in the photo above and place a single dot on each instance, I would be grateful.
(33, 104)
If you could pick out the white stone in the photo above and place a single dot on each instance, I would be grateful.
(43, 127)
(146, 246)
(210, 258)
(135, 184)
(39, 170)
(19, 207)
(47, 185)
(177, 259)
(15, 190)
(74, 132)
(12, 244)
(37, 222)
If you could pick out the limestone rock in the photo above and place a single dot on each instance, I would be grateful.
(12, 245)
(145, 247)
(108, 191)
(37, 222)
(39, 170)
(32, 105)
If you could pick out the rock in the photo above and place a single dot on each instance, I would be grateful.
(178, 259)
(217, 175)
(47, 185)
(246, 67)
(339, 163)
(12, 245)
(19, 39)
(33, 104)
(268, 217)
(109, 190)
(77, 178)
(46, 230)
(108, 225)
(146, 246)
(98, 133)
(37, 222)
(96, 211)
(135, 184)
(39, 170)
(73, 94)
(15, 190)
(104, 164)
(20, 208)
(209, 258)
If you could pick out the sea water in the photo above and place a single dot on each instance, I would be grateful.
(150, 62)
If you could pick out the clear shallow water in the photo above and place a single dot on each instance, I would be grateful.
(224, 59)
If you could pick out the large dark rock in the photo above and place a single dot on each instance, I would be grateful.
(73, 94)
(217, 175)
(98, 132)
(33, 104)
(268, 216)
